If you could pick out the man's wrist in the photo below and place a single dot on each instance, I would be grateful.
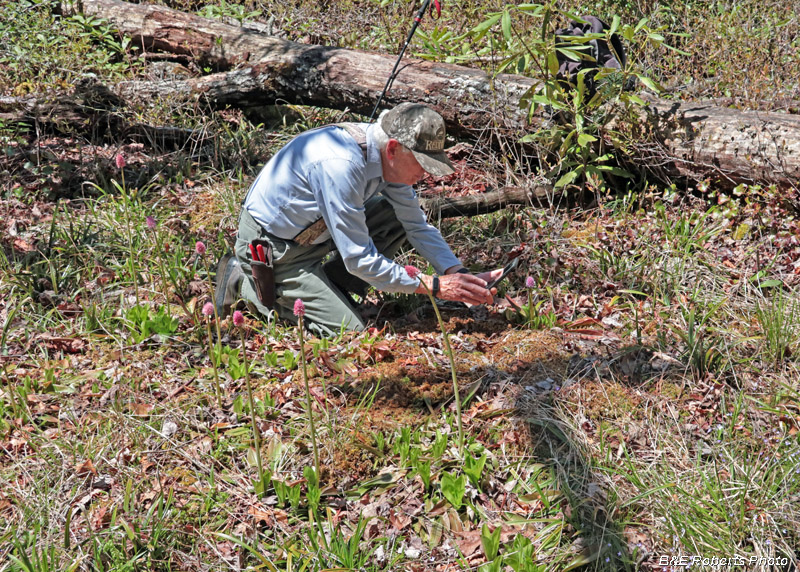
(457, 269)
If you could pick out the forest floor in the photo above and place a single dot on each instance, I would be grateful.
(630, 401)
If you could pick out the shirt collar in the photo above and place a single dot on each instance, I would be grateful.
(374, 168)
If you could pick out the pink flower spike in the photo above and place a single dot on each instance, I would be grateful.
(530, 282)
(299, 308)
(200, 248)
(412, 271)
(150, 222)
(238, 318)
(208, 309)
(119, 160)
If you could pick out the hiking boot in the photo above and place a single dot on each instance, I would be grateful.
(229, 279)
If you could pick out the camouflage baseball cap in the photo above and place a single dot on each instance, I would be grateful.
(421, 130)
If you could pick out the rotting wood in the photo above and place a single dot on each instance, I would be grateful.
(697, 141)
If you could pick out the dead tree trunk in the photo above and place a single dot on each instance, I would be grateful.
(482, 203)
(691, 140)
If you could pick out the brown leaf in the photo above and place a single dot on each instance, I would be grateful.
(468, 542)
(86, 468)
(380, 351)
(399, 520)
(266, 515)
(100, 519)
(67, 345)
(141, 409)
(23, 245)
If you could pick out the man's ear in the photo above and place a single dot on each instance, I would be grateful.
(392, 147)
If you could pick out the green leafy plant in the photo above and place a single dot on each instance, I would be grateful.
(520, 555)
(473, 468)
(287, 493)
(453, 488)
(576, 138)
(490, 542)
(313, 493)
(145, 324)
(702, 352)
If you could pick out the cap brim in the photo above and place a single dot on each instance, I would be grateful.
(437, 164)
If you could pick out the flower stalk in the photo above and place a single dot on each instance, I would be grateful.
(152, 224)
(300, 311)
(119, 160)
(208, 311)
(414, 272)
(238, 321)
(200, 249)
(529, 284)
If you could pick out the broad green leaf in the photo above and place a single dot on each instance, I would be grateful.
(473, 468)
(651, 84)
(506, 26)
(628, 33)
(453, 489)
(490, 542)
(552, 63)
(566, 179)
(481, 29)
(584, 139)
(614, 25)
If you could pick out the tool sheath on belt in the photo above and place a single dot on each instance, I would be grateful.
(263, 272)
(313, 231)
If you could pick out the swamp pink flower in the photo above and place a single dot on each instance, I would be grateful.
(208, 309)
(412, 271)
(299, 308)
(150, 222)
(119, 160)
(200, 248)
(238, 318)
(530, 282)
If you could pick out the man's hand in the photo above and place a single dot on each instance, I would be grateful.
(467, 288)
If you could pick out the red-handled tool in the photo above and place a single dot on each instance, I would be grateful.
(260, 250)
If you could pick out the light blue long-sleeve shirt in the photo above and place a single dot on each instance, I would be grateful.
(323, 173)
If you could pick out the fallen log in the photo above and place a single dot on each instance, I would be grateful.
(93, 111)
(439, 207)
(696, 141)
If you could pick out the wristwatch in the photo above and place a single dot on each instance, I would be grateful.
(435, 287)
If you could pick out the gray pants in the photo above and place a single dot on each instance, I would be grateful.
(300, 272)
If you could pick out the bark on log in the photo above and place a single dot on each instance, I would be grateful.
(482, 203)
(697, 141)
